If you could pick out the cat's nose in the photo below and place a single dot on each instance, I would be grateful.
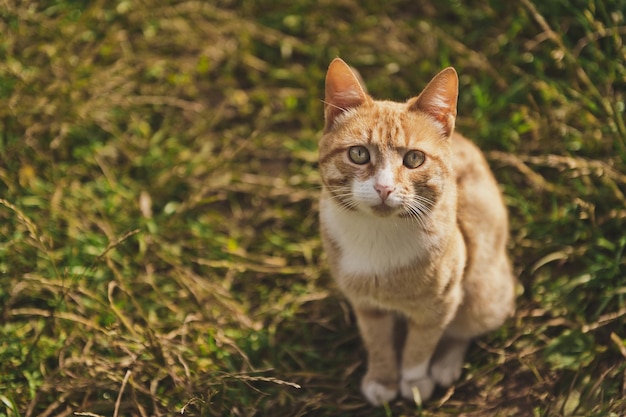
(384, 190)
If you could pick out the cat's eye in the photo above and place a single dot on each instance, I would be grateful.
(359, 155)
(413, 159)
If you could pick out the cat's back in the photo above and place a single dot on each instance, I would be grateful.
(481, 211)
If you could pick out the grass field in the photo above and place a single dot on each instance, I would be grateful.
(159, 248)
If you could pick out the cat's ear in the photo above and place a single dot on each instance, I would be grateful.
(439, 99)
(343, 91)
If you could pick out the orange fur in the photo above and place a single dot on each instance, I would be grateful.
(426, 243)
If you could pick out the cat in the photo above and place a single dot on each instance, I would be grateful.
(414, 228)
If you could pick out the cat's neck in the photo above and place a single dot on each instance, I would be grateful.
(378, 245)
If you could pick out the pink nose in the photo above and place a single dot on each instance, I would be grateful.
(384, 190)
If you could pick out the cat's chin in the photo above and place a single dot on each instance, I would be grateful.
(383, 210)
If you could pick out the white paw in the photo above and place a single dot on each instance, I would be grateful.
(446, 373)
(417, 390)
(377, 393)
(446, 368)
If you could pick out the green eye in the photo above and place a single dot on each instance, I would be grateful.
(359, 155)
(413, 159)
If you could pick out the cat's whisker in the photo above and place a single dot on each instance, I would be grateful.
(428, 201)
(418, 211)
(340, 191)
(341, 195)
(416, 218)
(333, 105)
(337, 187)
(314, 187)
(344, 199)
(426, 204)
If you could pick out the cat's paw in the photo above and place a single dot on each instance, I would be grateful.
(417, 390)
(378, 393)
(416, 384)
(446, 373)
(447, 365)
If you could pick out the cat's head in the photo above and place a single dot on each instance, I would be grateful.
(386, 158)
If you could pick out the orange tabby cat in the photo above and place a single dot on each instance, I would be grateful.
(414, 226)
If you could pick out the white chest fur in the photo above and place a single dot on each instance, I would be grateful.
(370, 244)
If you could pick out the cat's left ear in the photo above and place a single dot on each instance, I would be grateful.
(439, 99)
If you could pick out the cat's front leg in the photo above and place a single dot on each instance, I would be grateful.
(421, 341)
(380, 383)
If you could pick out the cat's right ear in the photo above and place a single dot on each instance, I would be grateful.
(343, 91)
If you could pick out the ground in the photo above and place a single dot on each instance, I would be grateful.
(159, 246)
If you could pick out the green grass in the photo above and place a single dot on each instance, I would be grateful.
(159, 252)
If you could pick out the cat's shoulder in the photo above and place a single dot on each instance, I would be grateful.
(464, 147)
(468, 159)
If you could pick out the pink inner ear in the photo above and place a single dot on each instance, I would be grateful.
(343, 90)
(439, 99)
(438, 105)
(441, 109)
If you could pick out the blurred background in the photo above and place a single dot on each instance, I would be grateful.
(159, 248)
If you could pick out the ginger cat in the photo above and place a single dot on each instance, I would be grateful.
(414, 227)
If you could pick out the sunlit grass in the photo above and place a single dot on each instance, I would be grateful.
(159, 251)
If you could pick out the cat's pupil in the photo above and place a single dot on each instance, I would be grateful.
(359, 155)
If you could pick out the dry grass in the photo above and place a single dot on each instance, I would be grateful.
(159, 252)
